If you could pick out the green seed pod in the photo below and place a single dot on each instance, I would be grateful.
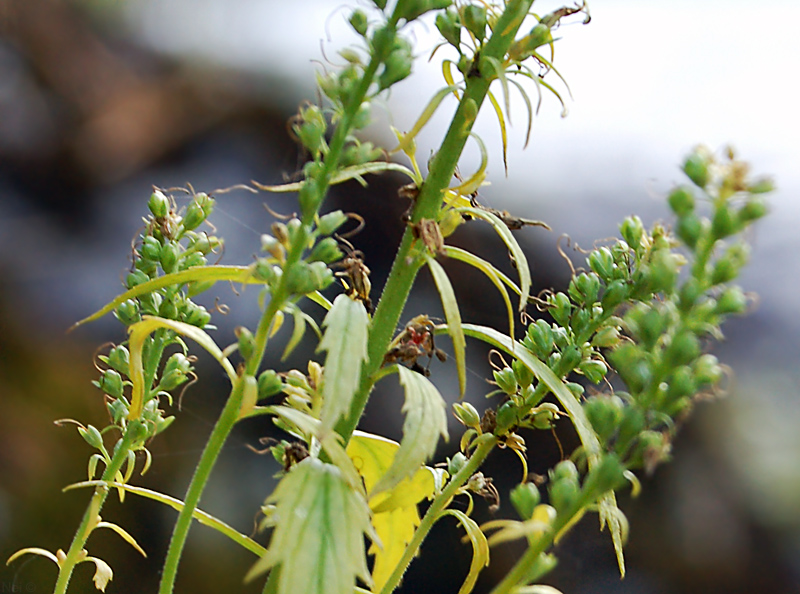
(92, 436)
(309, 197)
(544, 416)
(564, 488)
(269, 384)
(506, 418)
(602, 262)
(117, 410)
(731, 301)
(118, 358)
(681, 201)
(523, 48)
(707, 370)
(523, 375)
(151, 249)
(327, 251)
(198, 211)
(604, 413)
(265, 271)
(664, 271)
(560, 308)
(196, 315)
(358, 20)
(137, 277)
(193, 260)
(630, 426)
(448, 24)
(632, 365)
(615, 293)
(247, 342)
(321, 275)
(169, 257)
(606, 476)
(754, 208)
(632, 231)
(580, 320)
(273, 247)
(168, 308)
(111, 383)
(585, 288)
(474, 19)
(541, 337)
(696, 167)
(331, 222)
(681, 384)
(607, 337)
(570, 359)
(525, 497)
(292, 228)
(762, 186)
(593, 369)
(127, 312)
(506, 380)
(456, 463)
(467, 414)
(690, 293)
(158, 204)
(361, 152)
(150, 303)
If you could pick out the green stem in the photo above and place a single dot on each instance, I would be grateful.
(134, 432)
(428, 203)
(216, 440)
(485, 444)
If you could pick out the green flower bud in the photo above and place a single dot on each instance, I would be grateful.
(358, 20)
(158, 204)
(456, 463)
(570, 359)
(506, 418)
(117, 410)
(724, 223)
(193, 260)
(728, 266)
(584, 288)
(560, 308)
(197, 211)
(151, 249)
(448, 24)
(196, 315)
(580, 320)
(690, 228)
(397, 65)
(331, 222)
(265, 271)
(690, 293)
(632, 231)
(273, 247)
(683, 349)
(416, 8)
(327, 251)
(593, 369)
(681, 201)
(169, 257)
(247, 342)
(544, 416)
(606, 476)
(137, 277)
(309, 197)
(111, 383)
(754, 208)
(523, 48)
(92, 436)
(168, 308)
(269, 384)
(540, 336)
(127, 312)
(474, 18)
(652, 448)
(150, 303)
(663, 271)
(292, 228)
(604, 414)
(525, 497)
(362, 152)
(602, 262)
(681, 386)
(707, 370)
(118, 358)
(632, 366)
(731, 301)
(696, 167)
(616, 292)
(467, 414)
(762, 186)
(606, 337)
(630, 426)
(506, 380)
(163, 423)
(523, 375)
(564, 488)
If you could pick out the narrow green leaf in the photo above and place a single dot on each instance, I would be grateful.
(494, 275)
(475, 181)
(480, 549)
(123, 534)
(33, 551)
(426, 419)
(297, 332)
(234, 274)
(528, 107)
(453, 317)
(319, 538)
(511, 243)
(345, 340)
(587, 435)
(176, 504)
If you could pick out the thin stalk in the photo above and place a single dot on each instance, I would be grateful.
(486, 444)
(133, 433)
(428, 203)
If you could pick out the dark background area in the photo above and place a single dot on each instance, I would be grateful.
(99, 101)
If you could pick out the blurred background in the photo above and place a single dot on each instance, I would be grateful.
(101, 100)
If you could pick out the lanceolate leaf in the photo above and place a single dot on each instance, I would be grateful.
(453, 317)
(480, 549)
(587, 435)
(423, 119)
(319, 538)
(425, 421)
(345, 340)
(343, 175)
(511, 243)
